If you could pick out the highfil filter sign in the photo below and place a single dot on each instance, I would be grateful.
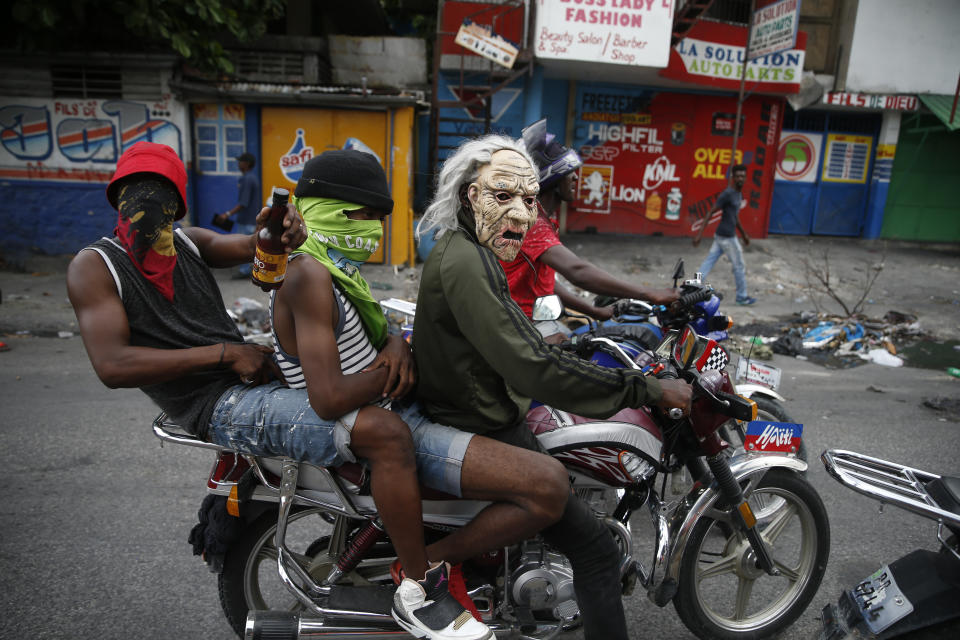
(655, 161)
(630, 32)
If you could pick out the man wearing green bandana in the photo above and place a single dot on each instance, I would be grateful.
(330, 338)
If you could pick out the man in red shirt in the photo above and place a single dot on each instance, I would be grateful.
(532, 274)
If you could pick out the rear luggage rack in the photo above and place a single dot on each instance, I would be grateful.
(888, 482)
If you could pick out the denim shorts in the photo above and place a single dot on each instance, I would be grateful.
(440, 449)
(274, 420)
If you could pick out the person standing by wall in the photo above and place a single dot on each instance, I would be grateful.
(247, 207)
(725, 240)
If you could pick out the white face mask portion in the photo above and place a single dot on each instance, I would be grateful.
(504, 202)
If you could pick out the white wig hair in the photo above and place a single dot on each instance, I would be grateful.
(460, 169)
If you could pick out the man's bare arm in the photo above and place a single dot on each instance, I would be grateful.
(572, 301)
(331, 393)
(703, 227)
(594, 279)
(231, 249)
(106, 335)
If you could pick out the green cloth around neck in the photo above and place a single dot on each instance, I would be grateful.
(341, 245)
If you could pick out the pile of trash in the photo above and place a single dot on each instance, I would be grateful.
(850, 340)
(252, 319)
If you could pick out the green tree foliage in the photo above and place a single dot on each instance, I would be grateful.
(194, 29)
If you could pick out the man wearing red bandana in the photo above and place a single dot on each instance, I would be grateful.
(149, 309)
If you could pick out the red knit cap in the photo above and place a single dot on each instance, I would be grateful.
(149, 157)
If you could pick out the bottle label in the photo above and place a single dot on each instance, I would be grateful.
(269, 267)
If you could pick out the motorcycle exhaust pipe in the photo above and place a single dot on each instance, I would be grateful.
(286, 625)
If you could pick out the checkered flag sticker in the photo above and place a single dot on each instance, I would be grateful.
(716, 357)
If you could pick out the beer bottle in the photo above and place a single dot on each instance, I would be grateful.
(270, 260)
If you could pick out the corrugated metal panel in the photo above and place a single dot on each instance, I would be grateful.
(941, 106)
(269, 66)
(28, 82)
(143, 84)
(82, 81)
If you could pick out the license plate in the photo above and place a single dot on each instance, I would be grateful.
(758, 372)
(781, 438)
(881, 601)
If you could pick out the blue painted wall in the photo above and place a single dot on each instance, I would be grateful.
(555, 96)
(52, 217)
(56, 157)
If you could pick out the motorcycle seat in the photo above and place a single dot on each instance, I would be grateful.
(351, 472)
(355, 474)
(542, 419)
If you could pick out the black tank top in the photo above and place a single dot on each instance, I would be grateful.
(195, 318)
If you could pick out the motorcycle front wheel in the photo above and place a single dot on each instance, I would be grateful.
(250, 579)
(723, 594)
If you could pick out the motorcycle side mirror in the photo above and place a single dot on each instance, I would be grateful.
(685, 348)
(547, 308)
(678, 273)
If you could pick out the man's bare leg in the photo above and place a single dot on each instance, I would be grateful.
(384, 440)
(529, 491)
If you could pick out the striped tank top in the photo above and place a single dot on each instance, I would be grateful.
(356, 350)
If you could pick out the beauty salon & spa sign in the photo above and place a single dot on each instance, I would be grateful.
(630, 32)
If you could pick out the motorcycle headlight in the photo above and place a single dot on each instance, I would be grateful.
(636, 467)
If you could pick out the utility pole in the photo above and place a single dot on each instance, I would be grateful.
(743, 80)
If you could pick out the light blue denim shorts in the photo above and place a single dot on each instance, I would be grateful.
(274, 420)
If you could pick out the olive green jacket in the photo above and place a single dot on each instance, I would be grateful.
(480, 360)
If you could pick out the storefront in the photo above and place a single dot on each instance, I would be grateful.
(283, 139)
(921, 203)
(825, 163)
(655, 161)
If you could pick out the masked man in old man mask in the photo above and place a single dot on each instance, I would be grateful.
(480, 359)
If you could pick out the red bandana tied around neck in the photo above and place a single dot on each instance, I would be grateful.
(147, 207)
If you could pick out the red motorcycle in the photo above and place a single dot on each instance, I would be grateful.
(740, 555)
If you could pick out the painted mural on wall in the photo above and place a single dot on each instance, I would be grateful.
(798, 156)
(78, 140)
(292, 136)
(847, 158)
(655, 162)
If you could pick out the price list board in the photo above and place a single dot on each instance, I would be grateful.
(847, 158)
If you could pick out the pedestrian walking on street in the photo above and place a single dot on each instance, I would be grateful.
(725, 240)
(247, 207)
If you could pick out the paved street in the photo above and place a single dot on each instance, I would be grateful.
(95, 513)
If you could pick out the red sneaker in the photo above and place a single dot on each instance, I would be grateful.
(396, 572)
(458, 589)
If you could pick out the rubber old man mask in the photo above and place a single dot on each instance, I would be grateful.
(504, 202)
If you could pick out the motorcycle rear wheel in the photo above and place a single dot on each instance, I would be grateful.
(250, 581)
(723, 595)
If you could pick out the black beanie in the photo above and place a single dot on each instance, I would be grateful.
(346, 174)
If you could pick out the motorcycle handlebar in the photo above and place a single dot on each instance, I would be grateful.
(737, 406)
(690, 299)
